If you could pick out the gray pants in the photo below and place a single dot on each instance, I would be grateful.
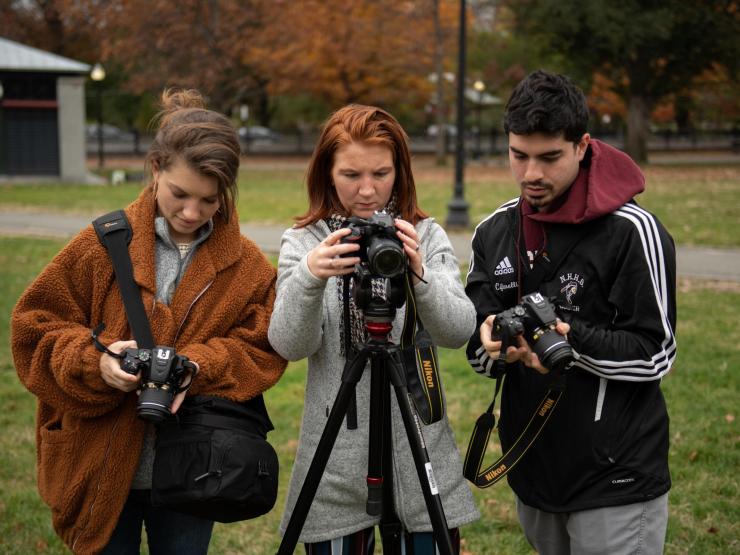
(637, 529)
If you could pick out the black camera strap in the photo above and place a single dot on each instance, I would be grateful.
(420, 359)
(115, 233)
(486, 423)
(349, 351)
(544, 267)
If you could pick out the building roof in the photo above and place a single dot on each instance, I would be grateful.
(15, 56)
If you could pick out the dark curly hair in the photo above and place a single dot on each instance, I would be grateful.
(548, 103)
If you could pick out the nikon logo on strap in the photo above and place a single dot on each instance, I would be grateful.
(547, 405)
(429, 374)
(482, 433)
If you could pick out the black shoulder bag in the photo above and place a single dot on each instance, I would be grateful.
(212, 458)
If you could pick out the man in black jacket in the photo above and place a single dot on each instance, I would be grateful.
(596, 479)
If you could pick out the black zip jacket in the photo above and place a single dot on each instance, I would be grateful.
(613, 281)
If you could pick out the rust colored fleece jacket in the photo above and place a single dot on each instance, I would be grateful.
(88, 435)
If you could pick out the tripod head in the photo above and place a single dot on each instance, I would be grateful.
(378, 311)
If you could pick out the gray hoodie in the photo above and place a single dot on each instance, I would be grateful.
(296, 333)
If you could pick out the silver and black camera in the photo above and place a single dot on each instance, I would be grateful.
(535, 319)
(380, 248)
(162, 373)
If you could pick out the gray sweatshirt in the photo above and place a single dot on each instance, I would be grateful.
(296, 333)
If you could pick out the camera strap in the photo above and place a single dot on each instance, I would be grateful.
(115, 233)
(349, 351)
(420, 359)
(486, 423)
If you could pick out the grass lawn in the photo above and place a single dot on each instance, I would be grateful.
(698, 204)
(701, 392)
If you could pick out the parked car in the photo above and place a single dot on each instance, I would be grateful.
(257, 132)
(110, 133)
(450, 130)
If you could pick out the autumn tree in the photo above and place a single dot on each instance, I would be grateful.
(648, 50)
(206, 44)
(65, 27)
(342, 51)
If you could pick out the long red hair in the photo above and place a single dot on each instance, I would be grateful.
(356, 123)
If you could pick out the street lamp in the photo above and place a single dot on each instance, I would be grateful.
(98, 74)
(479, 86)
(457, 209)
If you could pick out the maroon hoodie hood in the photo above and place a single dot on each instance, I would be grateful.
(608, 178)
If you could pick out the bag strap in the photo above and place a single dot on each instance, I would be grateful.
(115, 233)
(486, 423)
(221, 421)
(419, 355)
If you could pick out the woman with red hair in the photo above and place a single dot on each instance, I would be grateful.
(360, 166)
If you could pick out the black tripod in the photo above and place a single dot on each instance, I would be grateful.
(387, 369)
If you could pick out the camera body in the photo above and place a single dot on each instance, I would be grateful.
(162, 373)
(380, 248)
(535, 319)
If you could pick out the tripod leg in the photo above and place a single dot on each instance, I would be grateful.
(376, 438)
(420, 454)
(351, 375)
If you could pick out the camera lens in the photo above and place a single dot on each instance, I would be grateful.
(154, 403)
(553, 350)
(386, 257)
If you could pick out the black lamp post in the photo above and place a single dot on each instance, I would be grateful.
(479, 86)
(457, 209)
(98, 74)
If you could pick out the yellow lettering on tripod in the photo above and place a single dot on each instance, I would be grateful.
(428, 373)
(547, 406)
(495, 472)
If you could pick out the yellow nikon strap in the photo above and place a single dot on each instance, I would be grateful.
(486, 424)
(421, 364)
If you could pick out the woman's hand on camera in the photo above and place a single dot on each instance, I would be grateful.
(412, 247)
(325, 260)
(110, 368)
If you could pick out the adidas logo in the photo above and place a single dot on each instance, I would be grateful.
(503, 267)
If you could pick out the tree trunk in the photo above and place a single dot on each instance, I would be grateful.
(638, 116)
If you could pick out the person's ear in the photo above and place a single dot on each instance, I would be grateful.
(582, 146)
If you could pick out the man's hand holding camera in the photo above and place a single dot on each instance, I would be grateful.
(523, 352)
(532, 333)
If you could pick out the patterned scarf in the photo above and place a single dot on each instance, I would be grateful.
(358, 334)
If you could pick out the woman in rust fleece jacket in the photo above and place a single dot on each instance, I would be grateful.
(208, 292)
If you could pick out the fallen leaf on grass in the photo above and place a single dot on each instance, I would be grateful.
(712, 530)
(693, 455)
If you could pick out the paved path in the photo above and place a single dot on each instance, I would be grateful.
(695, 262)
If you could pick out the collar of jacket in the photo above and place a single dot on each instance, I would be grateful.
(221, 250)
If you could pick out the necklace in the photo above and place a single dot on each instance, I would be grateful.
(184, 249)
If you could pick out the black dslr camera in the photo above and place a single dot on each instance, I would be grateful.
(535, 319)
(162, 374)
(380, 248)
